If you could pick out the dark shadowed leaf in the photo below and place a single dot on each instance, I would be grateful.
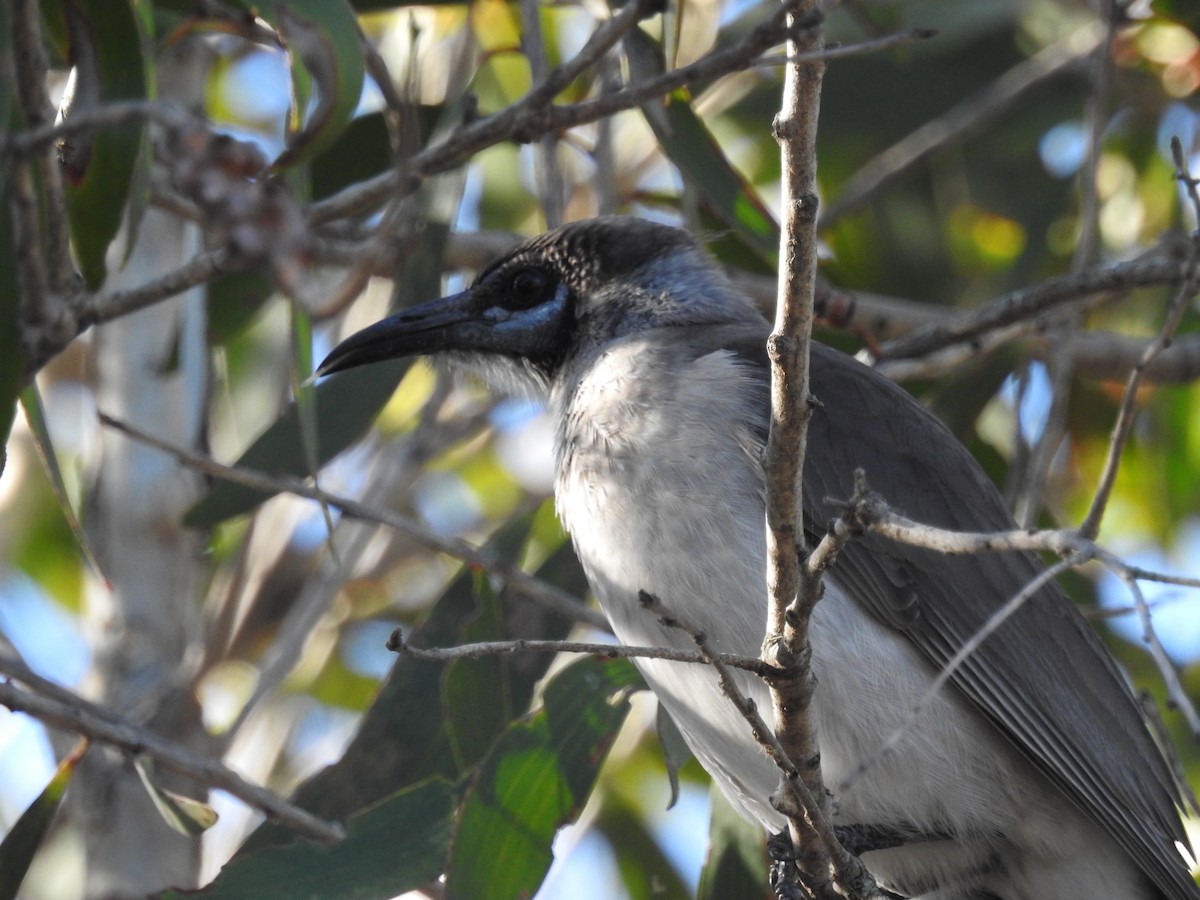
(691, 147)
(22, 842)
(107, 47)
(10, 301)
(675, 750)
(235, 300)
(395, 846)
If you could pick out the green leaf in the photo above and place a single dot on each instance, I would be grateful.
(537, 779)
(676, 752)
(736, 867)
(396, 846)
(325, 47)
(403, 736)
(186, 815)
(692, 148)
(22, 842)
(235, 300)
(474, 692)
(35, 416)
(345, 406)
(10, 300)
(107, 46)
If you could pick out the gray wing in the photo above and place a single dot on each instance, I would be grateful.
(1043, 677)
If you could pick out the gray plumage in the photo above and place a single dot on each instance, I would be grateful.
(1032, 776)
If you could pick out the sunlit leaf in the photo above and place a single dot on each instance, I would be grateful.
(395, 846)
(27, 833)
(537, 779)
(107, 42)
(345, 406)
(35, 416)
(186, 815)
(324, 43)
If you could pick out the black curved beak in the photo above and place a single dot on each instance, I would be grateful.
(446, 324)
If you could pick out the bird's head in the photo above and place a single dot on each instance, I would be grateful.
(582, 285)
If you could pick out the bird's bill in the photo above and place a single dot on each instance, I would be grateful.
(433, 326)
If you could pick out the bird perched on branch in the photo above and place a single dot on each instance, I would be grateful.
(1031, 776)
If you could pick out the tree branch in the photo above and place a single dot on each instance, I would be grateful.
(527, 585)
(60, 708)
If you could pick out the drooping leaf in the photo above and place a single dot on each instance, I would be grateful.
(689, 144)
(325, 46)
(10, 300)
(35, 417)
(345, 406)
(474, 693)
(537, 779)
(646, 871)
(736, 866)
(22, 842)
(395, 846)
(186, 815)
(234, 300)
(107, 48)
(675, 749)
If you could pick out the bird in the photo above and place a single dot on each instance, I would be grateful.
(1032, 775)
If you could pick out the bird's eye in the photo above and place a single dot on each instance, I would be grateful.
(528, 288)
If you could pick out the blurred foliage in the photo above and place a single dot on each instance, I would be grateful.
(439, 764)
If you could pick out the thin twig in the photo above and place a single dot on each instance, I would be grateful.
(1033, 474)
(793, 784)
(1157, 267)
(977, 111)
(531, 117)
(1177, 695)
(997, 618)
(845, 51)
(527, 585)
(61, 709)
(1090, 526)
(398, 644)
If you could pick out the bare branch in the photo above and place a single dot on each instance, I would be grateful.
(1090, 526)
(527, 585)
(1177, 695)
(965, 119)
(845, 51)
(1160, 266)
(998, 618)
(398, 644)
(61, 709)
(550, 181)
(822, 864)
